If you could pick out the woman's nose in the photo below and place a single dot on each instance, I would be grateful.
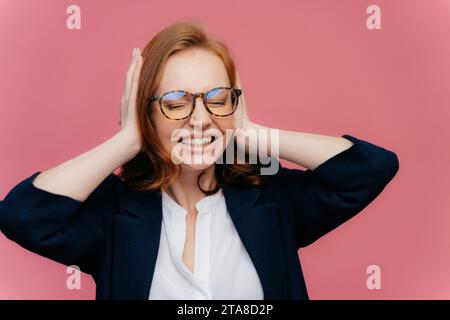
(200, 113)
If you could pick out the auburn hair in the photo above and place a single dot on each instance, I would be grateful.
(152, 168)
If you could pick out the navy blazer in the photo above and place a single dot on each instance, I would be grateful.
(114, 234)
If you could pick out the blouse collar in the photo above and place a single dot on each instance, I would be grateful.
(203, 205)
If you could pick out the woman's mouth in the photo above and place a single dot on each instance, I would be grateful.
(196, 141)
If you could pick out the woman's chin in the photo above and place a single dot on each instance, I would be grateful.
(198, 161)
(195, 167)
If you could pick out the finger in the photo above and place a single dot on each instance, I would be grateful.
(122, 112)
(135, 79)
(130, 67)
(238, 80)
(238, 116)
(129, 76)
(243, 102)
(126, 88)
(130, 72)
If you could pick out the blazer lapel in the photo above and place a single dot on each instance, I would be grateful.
(258, 226)
(137, 232)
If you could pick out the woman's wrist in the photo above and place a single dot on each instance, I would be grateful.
(259, 139)
(131, 141)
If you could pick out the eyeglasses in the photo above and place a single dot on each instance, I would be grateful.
(180, 104)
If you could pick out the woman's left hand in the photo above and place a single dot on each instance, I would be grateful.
(241, 119)
(242, 123)
(249, 136)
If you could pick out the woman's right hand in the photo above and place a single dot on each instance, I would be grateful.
(128, 118)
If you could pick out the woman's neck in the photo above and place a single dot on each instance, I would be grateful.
(185, 190)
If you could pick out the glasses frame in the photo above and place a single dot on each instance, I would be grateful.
(237, 92)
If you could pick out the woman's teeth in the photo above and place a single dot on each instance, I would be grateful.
(197, 141)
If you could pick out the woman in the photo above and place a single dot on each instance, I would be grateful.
(158, 231)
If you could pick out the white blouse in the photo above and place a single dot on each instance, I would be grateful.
(222, 267)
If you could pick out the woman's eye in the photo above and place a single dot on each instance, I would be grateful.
(219, 103)
(176, 106)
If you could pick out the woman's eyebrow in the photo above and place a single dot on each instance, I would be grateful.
(209, 88)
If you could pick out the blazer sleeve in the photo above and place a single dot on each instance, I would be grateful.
(56, 226)
(317, 201)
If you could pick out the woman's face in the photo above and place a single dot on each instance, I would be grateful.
(193, 70)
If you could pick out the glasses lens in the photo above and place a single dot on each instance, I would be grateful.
(177, 105)
(221, 101)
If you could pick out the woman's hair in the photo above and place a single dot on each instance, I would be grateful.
(153, 168)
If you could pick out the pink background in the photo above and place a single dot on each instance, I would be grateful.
(61, 90)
